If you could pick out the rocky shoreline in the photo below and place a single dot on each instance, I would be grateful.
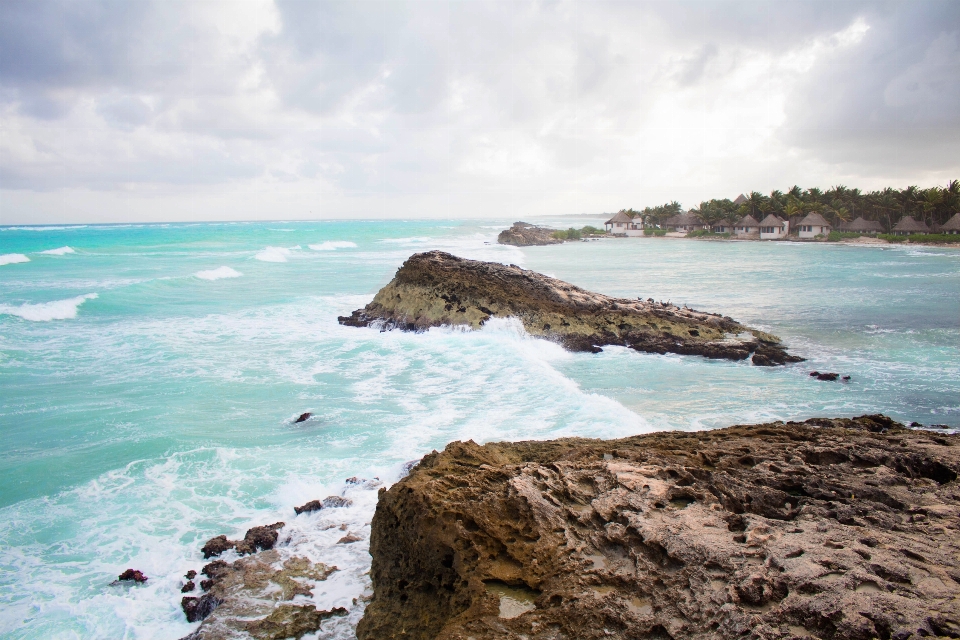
(435, 288)
(830, 528)
(522, 234)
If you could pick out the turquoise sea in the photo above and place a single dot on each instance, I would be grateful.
(150, 375)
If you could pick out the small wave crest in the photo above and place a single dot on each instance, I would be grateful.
(274, 254)
(62, 251)
(218, 274)
(333, 245)
(416, 239)
(13, 258)
(46, 311)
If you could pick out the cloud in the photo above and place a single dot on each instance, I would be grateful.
(476, 108)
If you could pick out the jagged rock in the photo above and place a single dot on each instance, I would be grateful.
(191, 574)
(187, 588)
(251, 596)
(435, 288)
(350, 537)
(132, 574)
(330, 502)
(216, 546)
(256, 539)
(522, 234)
(830, 528)
(303, 417)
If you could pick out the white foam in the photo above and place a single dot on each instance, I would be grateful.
(41, 228)
(274, 254)
(46, 311)
(62, 251)
(416, 239)
(218, 274)
(333, 245)
(13, 258)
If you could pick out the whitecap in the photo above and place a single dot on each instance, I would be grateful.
(43, 228)
(274, 254)
(13, 258)
(416, 239)
(333, 245)
(62, 251)
(218, 273)
(46, 311)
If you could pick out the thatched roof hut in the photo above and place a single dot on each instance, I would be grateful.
(620, 216)
(863, 226)
(747, 221)
(952, 225)
(741, 199)
(908, 225)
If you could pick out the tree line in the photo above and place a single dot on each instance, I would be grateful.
(838, 205)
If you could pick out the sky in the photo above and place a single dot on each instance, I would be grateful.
(135, 110)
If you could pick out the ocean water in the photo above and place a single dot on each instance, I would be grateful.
(150, 376)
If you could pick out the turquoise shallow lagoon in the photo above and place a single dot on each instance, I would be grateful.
(149, 376)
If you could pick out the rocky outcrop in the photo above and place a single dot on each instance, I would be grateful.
(254, 596)
(844, 528)
(330, 502)
(132, 574)
(435, 288)
(256, 539)
(522, 234)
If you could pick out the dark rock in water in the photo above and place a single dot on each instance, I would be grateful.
(303, 417)
(259, 539)
(829, 528)
(330, 502)
(522, 234)
(845, 378)
(216, 546)
(132, 574)
(197, 609)
(828, 377)
(435, 288)
(206, 584)
(215, 568)
(814, 373)
(350, 537)
(190, 586)
(191, 574)
(916, 424)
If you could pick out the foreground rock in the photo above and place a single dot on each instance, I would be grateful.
(435, 288)
(830, 529)
(253, 598)
(522, 234)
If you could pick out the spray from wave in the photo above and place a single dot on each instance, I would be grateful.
(274, 254)
(62, 251)
(13, 258)
(46, 311)
(218, 273)
(333, 245)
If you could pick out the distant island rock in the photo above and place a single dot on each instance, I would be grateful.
(436, 288)
(522, 234)
(830, 528)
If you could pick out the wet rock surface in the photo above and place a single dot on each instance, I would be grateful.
(330, 502)
(256, 539)
(830, 528)
(132, 575)
(436, 288)
(522, 234)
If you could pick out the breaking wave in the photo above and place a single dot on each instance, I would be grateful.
(46, 311)
(218, 274)
(274, 254)
(333, 245)
(13, 258)
(62, 251)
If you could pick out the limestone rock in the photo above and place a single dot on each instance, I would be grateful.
(831, 528)
(522, 234)
(256, 539)
(435, 288)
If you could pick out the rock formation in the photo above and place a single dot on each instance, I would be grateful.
(256, 539)
(522, 234)
(436, 288)
(830, 528)
(330, 502)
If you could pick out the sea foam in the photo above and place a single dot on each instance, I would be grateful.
(333, 245)
(13, 258)
(218, 274)
(274, 254)
(46, 311)
(62, 251)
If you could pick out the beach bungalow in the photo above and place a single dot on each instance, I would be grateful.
(952, 225)
(747, 225)
(684, 222)
(740, 200)
(723, 226)
(618, 224)
(773, 228)
(813, 225)
(635, 228)
(908, 225)
(863, 226)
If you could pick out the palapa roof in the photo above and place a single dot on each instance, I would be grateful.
(907, 223)
(620, 216)
(814, 219)
(683, 220)
(747, 221)
(741, 199)
(863, 225)
(771, 221)
(953, 224)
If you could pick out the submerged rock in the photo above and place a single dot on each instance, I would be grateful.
(830, 528)
(435, 288)
(132, 574)
(522, 234)
(303, 417)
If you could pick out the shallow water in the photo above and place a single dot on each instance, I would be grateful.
(149, 377)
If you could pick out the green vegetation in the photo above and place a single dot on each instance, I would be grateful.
(836, 236)
(654, 232)
(704, 233)
(922, 237)
(577, 234)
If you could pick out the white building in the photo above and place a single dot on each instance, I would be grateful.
(814, 225)
(773, 228)
(619, 224)
(747, 225)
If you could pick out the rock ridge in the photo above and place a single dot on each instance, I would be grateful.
(523, 234)
(829, 528)
(436, 288)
